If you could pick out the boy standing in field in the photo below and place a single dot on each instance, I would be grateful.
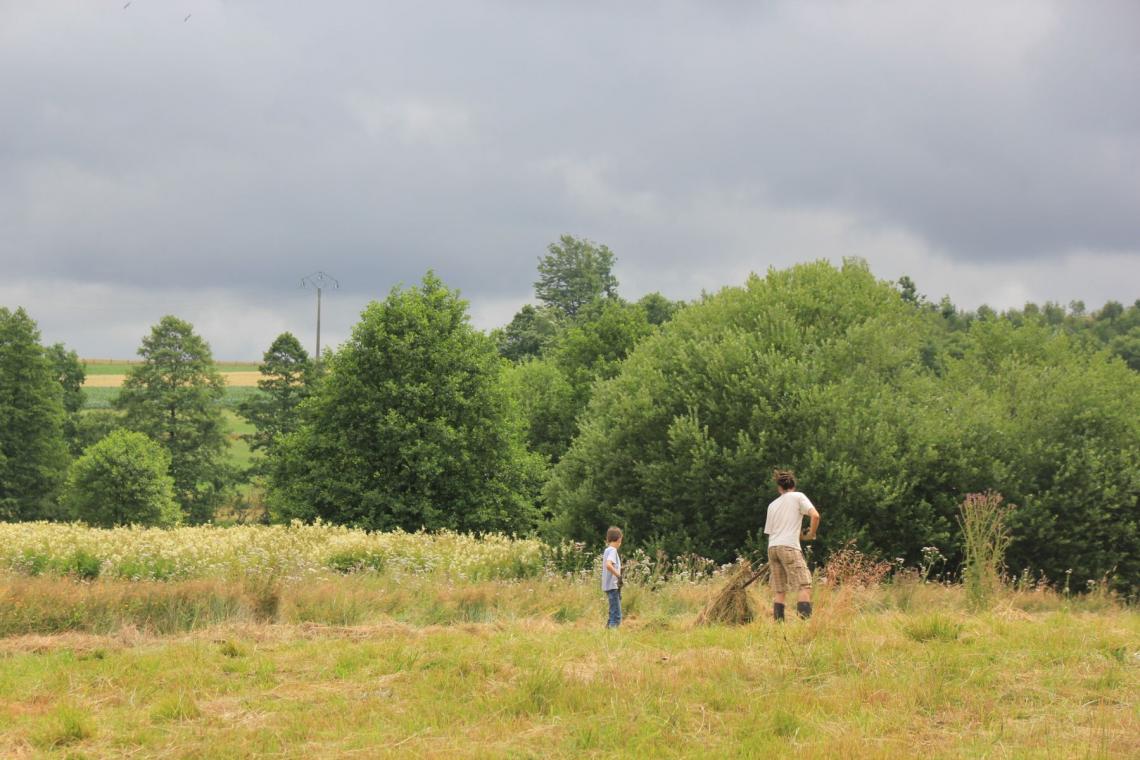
(611, 575)
(785, 559)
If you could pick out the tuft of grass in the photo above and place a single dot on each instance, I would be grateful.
(232, 649)
(785, 723)
(932, 627)
(67, 724)
(180, 706)
(537, 692)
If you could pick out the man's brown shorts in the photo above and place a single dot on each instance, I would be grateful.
(788, 569)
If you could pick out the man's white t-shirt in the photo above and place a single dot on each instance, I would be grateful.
(785, 519)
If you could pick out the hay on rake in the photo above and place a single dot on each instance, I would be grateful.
(732, 604)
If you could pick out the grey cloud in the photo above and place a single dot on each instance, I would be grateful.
(263, 140)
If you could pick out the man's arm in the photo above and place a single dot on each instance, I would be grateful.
(809, 534)
(610, 566)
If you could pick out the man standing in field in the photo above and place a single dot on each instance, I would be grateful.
(785, 559)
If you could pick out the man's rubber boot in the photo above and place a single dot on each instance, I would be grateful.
(778, 612)
(803, 609)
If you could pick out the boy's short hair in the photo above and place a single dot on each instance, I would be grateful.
(613, 534)
(785, 479)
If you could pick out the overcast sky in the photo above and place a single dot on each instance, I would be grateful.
(199, 157)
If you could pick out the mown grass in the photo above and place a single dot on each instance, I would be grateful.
(386, 665)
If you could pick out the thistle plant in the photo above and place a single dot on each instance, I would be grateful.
(986, 538)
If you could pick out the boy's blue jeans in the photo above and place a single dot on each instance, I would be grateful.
(614, 596)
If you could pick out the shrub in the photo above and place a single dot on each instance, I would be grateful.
(123, 479)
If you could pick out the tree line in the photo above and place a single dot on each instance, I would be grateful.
(588, 410)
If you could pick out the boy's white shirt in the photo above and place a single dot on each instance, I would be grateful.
(785, 519)
(609, 580)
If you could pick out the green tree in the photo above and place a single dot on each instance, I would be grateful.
(801, 368)
(33, 450)
(658, 308)
(1055, 428)
(574, 273)
(411, 426)
(70, 373)
(548, 404)
(909, 291)
(174, 397)
(1127, 347)
(553, 391)
(286, 374)
(93, 425)
(594, 346)
(889, 415)
(123, 480)
(528, 334)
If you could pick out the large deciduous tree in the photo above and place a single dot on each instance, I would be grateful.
(573, 274)
(174, 397)
(410, 427)
(888, 417)
(33, 450)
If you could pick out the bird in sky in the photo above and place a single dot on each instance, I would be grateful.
(188, 15)
(127, 4)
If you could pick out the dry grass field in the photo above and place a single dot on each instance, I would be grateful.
(448, 647)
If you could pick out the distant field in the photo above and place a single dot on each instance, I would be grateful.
(110, 373)
(123, 366)
(236, 427)
(233, 379)
(101, 397)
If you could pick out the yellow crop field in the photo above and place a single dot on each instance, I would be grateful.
(233, 379)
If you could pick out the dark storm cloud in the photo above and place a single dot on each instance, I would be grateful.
(259, 140)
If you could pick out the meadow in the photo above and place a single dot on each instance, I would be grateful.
(103, 397)
(319, 641)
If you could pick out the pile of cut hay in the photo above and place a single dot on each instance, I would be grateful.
(732, 604)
